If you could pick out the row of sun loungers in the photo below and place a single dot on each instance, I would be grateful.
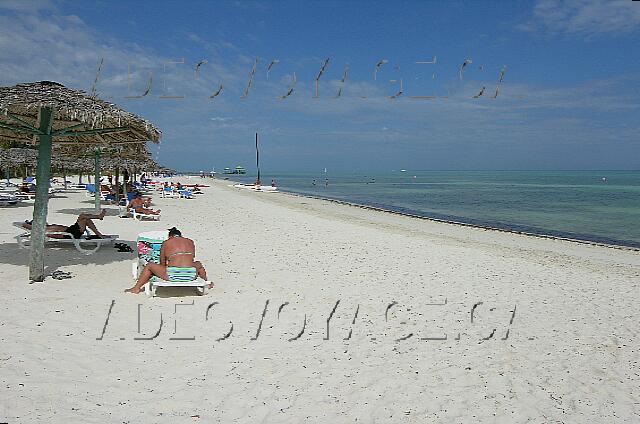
(89, 245)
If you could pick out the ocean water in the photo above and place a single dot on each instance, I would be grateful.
(575, 204)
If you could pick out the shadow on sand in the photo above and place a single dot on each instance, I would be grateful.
(20, 205)
(77, 211)
(60, 256)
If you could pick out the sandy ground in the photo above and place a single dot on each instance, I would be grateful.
(321, 313)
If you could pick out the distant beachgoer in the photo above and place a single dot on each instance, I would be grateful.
(313, 183)
(258, 183)
(83, 222)
(326, 182)
(27, 188)
(141, 205)
(273, 183)
(177, 262)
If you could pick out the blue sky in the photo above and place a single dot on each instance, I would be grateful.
(569, 99)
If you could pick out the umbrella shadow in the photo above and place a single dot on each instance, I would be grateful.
(78, 211)
(61, 256)
(170, 292)
(91, 201)
(18, 206)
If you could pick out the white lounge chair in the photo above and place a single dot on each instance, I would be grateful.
(9, 200)
(125, 212)
(140, 216)
(201, 286)
(168, 192)
(25, 239)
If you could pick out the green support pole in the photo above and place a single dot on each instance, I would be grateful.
(43, 172)
(97, 182)
(125, 179)
(117, 186)
(64, 177)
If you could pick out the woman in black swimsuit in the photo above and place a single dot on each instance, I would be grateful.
(83, 222)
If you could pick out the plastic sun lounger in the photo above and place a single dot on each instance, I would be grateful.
(169, 193)
(9, 200)
(201, 286)
(25, 238)
(126, 212)
(140, 216)
(91, 192)
(186, 194)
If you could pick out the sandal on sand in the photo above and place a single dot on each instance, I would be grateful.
(122, 247)
(61, 275)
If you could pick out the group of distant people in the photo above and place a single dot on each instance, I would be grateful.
(326, 182)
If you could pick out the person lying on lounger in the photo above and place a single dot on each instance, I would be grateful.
(177, 262)
(141, 205)
(83, 222)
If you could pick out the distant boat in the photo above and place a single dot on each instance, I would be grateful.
(236, 170)
(403, 170)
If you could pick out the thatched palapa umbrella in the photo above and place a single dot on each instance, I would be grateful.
(45, 112)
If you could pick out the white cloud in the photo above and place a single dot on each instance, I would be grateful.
(586, 18)
(26, 5)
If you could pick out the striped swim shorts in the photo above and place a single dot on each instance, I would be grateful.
(179, 274)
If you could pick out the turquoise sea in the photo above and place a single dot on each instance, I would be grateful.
(601, 206)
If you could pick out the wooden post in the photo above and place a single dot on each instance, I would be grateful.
(125, 179)
(36, 257)
(97, 183)
(117, 185)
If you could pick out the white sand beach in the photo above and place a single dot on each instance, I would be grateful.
(554, 336)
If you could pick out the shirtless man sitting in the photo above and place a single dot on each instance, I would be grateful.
(177, 262)
(141, 205)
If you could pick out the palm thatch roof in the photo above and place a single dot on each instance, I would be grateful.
(21, 157)
(76, 116)
(18, 158)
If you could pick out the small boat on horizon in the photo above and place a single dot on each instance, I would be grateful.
(238, 170)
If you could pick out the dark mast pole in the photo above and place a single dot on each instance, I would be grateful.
(257, 158)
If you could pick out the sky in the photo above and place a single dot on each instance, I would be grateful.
(569, 96)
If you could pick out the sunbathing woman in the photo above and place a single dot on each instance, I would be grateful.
(141, 205)
(177, 263)
(83, 222)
